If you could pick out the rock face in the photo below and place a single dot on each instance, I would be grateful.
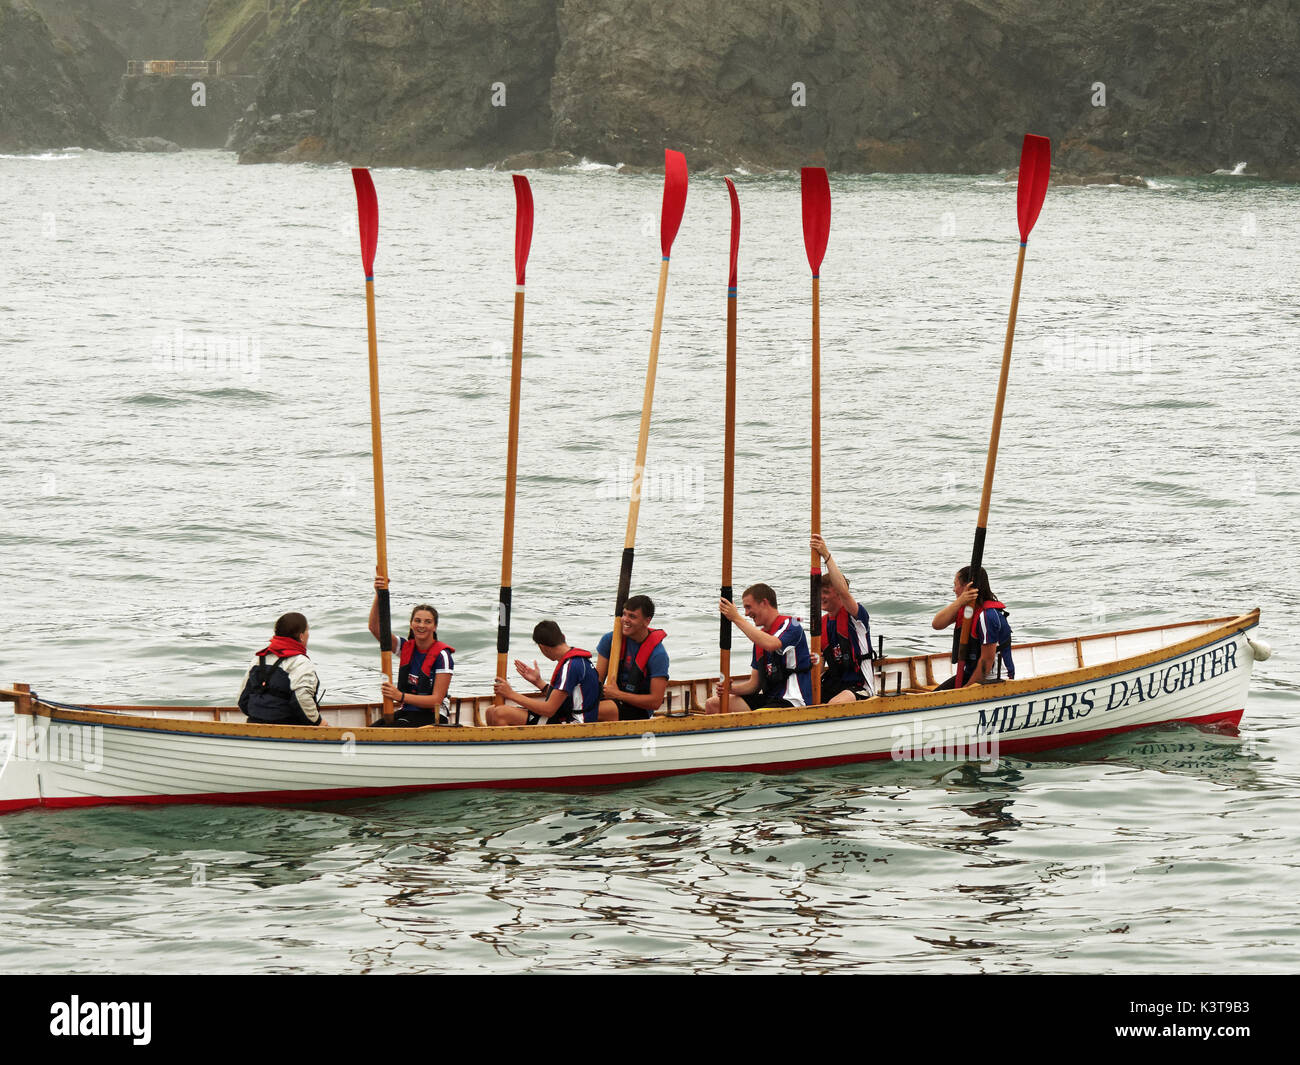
(1120, 86)
(413, 84)
(42, 101)
(180, 111)
(99, 36)
(890, 85)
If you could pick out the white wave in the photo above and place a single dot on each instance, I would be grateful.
(1237, 171)
(42, 157)
(585, 165)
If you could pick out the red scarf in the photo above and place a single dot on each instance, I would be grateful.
(284, 647)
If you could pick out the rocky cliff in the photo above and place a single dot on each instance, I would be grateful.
(99, 36)
(42, 100)
(62, 64)
(1137, 86)
(444, 83)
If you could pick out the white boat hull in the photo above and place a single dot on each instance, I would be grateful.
(65, 757)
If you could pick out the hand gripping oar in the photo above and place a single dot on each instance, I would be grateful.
(523, 240)
(669, 220)
(368, 215)
(816, 231)
(729, 454)
(1031, 188)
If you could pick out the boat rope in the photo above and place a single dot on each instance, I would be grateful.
(71, 706)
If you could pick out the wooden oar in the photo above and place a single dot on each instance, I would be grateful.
(1031, 188)
(368, 214)
(669, 220)
(523, 240)
(729, 454)
(816, 191)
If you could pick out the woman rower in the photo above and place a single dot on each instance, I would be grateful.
(989, 648)
(286, 690)
(424, 668)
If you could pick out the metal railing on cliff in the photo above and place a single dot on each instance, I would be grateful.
(171, 68)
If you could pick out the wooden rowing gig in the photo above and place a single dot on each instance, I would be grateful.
(1066, 692)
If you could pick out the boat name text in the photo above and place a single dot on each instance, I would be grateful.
(1073, 705)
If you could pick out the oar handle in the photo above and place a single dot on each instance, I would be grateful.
(990, 464)
(512, 472)
(995, 433)
(638, 472)
(728, 483)
(815, 568)
(381, 532)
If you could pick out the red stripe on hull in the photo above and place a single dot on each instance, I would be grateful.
(1029, 744)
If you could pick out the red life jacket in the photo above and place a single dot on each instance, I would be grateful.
(843, 660)
(425, 684)
(565, 713)
(974, 648)
(632, 671)
(572, 652)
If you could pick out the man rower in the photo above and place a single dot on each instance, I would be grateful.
(572, 696)
(638, 687)
(780, 665)
(846, 636)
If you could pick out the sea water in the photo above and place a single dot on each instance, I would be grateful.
(186, 438)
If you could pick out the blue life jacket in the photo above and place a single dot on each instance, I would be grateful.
(975, 647)
(843, 659)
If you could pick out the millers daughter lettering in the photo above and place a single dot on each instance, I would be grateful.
(1070, 706)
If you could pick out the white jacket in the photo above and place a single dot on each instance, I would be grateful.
(302, 679)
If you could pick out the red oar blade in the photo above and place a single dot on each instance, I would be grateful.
(816, 189)
(1031, 188)
(368, 213)
(674, 199)
(735, 230)
(523, 225)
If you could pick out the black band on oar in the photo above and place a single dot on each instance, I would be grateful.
(815, 609)
(724, 633)
(385, 620)
(624, 582)
(977, 553)
(503, 621)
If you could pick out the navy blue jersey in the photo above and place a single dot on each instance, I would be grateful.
(784, 674)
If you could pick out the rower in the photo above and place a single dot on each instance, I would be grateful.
(285, 691)
(573, 696)
(780, 667)
(641, 683)
(846, 637)
(424, 669)
(989, 649)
